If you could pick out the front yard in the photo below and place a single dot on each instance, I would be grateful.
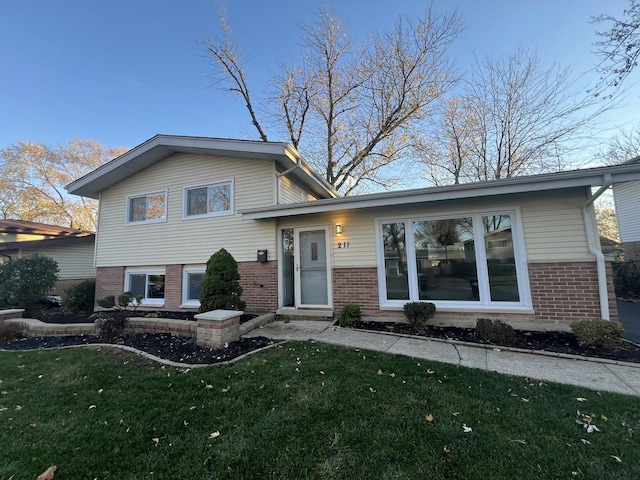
(302, 410)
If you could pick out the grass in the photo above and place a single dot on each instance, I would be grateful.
(302, 410)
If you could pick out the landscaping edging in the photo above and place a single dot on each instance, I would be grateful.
(508, 349)
(182, 328)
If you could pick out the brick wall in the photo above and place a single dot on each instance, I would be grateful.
(173, 287)
(259, 282)
(567, 292)
(356, 285)
(109, 281)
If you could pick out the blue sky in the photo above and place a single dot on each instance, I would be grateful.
(121, 71)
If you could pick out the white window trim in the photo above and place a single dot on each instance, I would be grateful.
(186, 302)
(224, 213)
(484, 304)
(156, 302)
(147, 194)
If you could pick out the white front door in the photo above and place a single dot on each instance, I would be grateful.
(312, 267)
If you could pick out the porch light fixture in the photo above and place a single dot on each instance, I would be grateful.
(338, 229)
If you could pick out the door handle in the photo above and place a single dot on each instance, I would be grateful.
(297, 267)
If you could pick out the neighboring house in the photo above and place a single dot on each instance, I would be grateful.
(626, 196)
(523, 249)
(72, 249)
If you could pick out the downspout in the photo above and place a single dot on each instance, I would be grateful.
(593, 236)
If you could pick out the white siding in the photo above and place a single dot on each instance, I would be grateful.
(291, 192)
(74, 261)
(627, 201)
(553, 226)
(187, 241)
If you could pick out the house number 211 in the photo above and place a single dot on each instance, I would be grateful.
(343, 244)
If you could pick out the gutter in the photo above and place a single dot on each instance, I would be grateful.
(283, 174)
(592, 236)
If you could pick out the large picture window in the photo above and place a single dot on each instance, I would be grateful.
(209, 200)
(147, 208)
(149, 284)
(470, 259)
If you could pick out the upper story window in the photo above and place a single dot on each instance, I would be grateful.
(209, 200)
(147, 208)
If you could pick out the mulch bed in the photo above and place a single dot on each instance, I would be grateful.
(185, 350)
(560, 342)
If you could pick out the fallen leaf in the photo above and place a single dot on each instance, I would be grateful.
(586, 442)
(521, 441)
(18, 407)
(379, 372)
(429, 417)
(581, 399)
(91, 407)
(447, 449)
(616, 458)
(215, 434)
(48, 473)
(591, 428)
(466, 429)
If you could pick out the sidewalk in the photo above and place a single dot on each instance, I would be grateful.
(603, 375)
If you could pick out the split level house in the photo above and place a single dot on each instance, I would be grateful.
(525, 250)
(72, 249)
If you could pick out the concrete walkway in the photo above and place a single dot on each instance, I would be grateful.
(603, 375)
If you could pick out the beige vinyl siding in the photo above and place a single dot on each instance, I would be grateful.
(291, 192)
(553, 226)
(626, 197)
(185, 241)
(74, 261)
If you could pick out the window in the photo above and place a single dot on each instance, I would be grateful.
(146, 283)
(209, 200)
(147, 208)
(470, 259)
(192, 286)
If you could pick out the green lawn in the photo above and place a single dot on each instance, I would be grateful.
(302, 410)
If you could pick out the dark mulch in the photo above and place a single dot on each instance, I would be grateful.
(163, 345)
(561, 342)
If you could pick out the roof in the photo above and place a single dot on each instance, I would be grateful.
(34, 228)
(88, 237)
(585, 178)
(162, 146)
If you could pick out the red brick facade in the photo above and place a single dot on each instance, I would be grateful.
(561, 293)
(259, 282)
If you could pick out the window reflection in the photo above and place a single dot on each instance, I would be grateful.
(395, 261)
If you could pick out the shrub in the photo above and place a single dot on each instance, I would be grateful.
(9, 331)
(221, 287)
(599, 333)
(113, 323)
(419, 312)
(81, 297)
(350, 316)
(25, 281)
(626, 279)
(495, 331)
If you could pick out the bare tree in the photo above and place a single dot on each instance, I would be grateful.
(621, 147)
(620, 48)
(34, 176)
(353, 109)
(513, 118)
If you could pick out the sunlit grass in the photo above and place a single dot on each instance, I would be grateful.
(302, 410)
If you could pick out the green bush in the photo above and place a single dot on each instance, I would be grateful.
(81, 297)
(350, 316)
(495, 331)
(25, 281)
(221, 287)
(626, 279)
(419, 312)
(599, 333)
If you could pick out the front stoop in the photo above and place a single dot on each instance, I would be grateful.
(217, 327)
